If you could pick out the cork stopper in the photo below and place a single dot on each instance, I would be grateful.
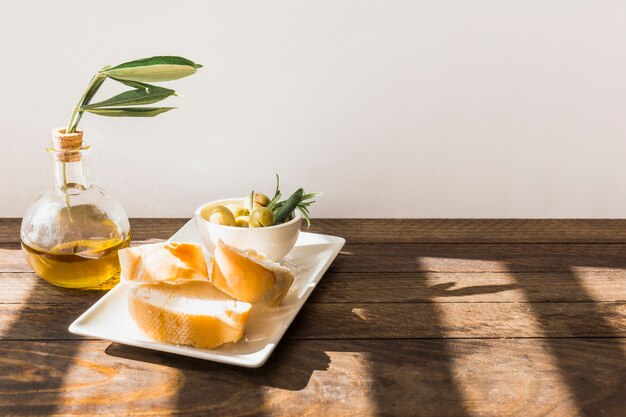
(67, 145)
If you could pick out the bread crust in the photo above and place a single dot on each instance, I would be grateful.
(245, 278)
(197, 330)
(163, 261)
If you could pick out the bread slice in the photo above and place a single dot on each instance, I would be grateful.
(163, 261)
(192, 313)
(249, 276)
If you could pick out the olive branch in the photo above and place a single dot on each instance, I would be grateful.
(136, 74)
(298, 200)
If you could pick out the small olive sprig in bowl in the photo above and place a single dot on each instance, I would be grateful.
(258, 210)
(267, 225)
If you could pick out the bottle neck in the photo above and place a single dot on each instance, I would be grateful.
(72, 177)
(68, 152)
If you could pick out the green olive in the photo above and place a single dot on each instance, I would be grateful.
(242, 221)
(261, 199)
(219, 215)
(206, 212)
(237, 210)
(261, 217)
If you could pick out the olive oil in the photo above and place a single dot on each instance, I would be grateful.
(72, 233)
(78, 264)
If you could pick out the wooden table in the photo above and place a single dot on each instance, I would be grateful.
(415, 318)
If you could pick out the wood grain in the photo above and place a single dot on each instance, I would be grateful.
(394, 258)
(327, 378)
(474, 230)
(379, 320)
(458, 320)
(470, 287)
(371, 287)
(12, 259)
(28, 288)
(414, 230)
(415, 317)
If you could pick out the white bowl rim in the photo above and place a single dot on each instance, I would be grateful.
(296, 218)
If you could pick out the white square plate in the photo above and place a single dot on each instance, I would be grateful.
(310, 258)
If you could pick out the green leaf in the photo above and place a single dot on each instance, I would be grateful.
(310, 195)
(147, 95)
(277, 185)
(94, 86)
(305, 214)
(272, 204)
(156, 68)
(277, 195)
(156, 60)
(133, 84)
(129, 111)
(138, 85)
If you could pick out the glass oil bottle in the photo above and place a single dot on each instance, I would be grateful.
(72, 233)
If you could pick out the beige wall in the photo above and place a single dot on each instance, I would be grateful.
(416, 109)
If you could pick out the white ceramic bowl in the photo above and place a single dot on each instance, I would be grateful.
(274, 241)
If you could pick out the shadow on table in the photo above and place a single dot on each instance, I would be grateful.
(584, 375)
(595, 377)
(218, 389)
(445, 290)
(429, 380)
(29, 367)
(427, 377)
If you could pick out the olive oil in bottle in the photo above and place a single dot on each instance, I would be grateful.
(80, 264)
(72, 233)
